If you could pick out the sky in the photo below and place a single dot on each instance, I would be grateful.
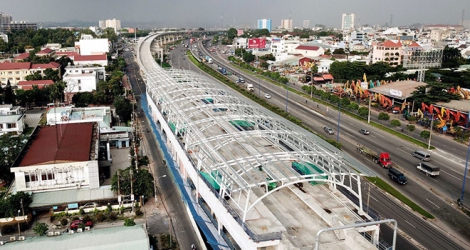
(238, 13)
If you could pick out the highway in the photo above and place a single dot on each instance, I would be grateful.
(418, 189)
(168, 191)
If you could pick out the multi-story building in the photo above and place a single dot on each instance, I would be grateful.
(81, 60)
(348, 21)
(4, 37)
(110, 23)
(264, 24)
(389, 52)
(11, 119)
(21, 25)
(281, 48)
(92, 46)
(82, 79)
(67, 162)
(306, 24)
(16, 72)
(4, 19)
(286, 24)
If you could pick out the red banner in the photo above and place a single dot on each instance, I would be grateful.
(256, 43)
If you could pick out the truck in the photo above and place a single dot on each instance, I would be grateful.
(210, 60)
(250, 87)
(397, 176)
(428, 169)
(382, 158)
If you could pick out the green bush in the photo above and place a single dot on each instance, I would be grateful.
(100, 217)
(395, 123)
(425, 134)
(410, 127)
(363, 112)
(113, 216)
(81, 211)
(384, 116)
(129, 222)
(138, 212)
(345, 102)
(353, 106)
(40, 228)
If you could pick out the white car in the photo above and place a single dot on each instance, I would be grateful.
(268, 96)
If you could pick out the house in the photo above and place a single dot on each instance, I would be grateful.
(389, 52)
(16, 72)
(11, 119)
(82, 79)
(70, 161)
(46, 52)
(69, 54)
(309, 51)
(21, 57)
(101, 60)
(28, 85)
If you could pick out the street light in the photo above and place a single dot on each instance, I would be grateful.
(430, 130)
(460, 201)
(287, 96)
(339, 115)
(155, 186)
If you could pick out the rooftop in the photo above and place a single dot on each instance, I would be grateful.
(61, 143)
(394, 88)
(112, 238)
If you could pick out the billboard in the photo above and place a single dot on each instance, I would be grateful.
(256, 43)
(239, 32)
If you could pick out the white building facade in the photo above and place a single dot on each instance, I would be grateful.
(11, 119)
(82, 79)
(348, 21)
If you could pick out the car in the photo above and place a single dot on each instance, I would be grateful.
(364, 131)
(89, 205)
(328, 130)
(77, 223)
(241, 80)
(268, 96)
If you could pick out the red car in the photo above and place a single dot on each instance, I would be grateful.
(76, 224)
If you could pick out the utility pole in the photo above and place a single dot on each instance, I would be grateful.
(132, 190)
(430, 130)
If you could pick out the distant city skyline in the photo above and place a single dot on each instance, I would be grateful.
(241, 13)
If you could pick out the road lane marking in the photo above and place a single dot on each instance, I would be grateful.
(451, 175)
(410, 223)
(432, 203)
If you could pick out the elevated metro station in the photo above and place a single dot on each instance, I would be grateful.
(251, 179)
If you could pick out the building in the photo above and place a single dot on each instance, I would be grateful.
(286, 24)
(19, 25)
(46, 52)
(21, 57)
(309, 51)
(110, 23)
(4, 37)
(28, 85)
(16, 72)
(306, 24)
(91, 46)
(80, 78)
(348, 21)
(81, 60)
(264, 24)
(4, 19)
(389, 52)
(11, 119)
(60, 157)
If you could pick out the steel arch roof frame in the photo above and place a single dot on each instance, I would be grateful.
(236, 153)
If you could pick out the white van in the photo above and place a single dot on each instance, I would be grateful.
(421, 155)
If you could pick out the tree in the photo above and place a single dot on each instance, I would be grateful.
(3, 46)
(363, 111)
(40, 228)
(36, 76)
(384, 116)
(425, 134)
(142, 182)
(248, 57)
(314, 69)
(395, 123)
(339, 51)
(451, 58)
(129, 222)
(56, 91)
(432, 93)
(123, 108)
(410, 127)
(9, 96)
(232, 33)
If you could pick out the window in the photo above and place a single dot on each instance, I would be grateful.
(11, 125)
(79, 88)
(79, 81)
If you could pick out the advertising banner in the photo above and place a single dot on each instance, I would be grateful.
(256, 43)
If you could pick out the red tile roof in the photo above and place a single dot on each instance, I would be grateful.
(12, 66)
(51, 65)
(27, 85)
(318, 79)
(328, 77)
(67, 53)
(389, 43)
(307, 47)
(414, 44)
(22, 56)
(74, 144)
(90, 57)
(45, 51)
